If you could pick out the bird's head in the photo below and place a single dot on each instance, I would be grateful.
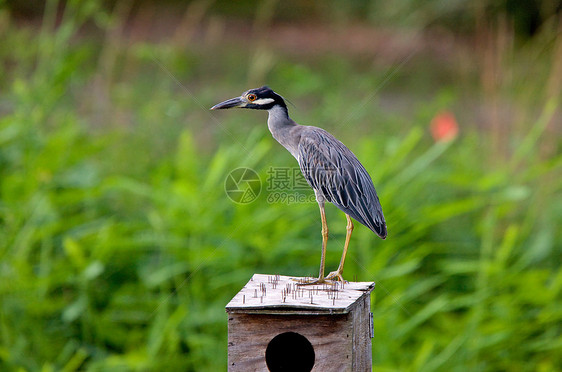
(258, 99)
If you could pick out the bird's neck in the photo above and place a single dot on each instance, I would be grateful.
(279, 121)
(281, 125)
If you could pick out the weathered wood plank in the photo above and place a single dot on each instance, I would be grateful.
(362, 352)
(249, 335)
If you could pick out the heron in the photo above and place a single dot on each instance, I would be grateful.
(330, 168)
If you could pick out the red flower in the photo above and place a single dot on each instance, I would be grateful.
(444, 127)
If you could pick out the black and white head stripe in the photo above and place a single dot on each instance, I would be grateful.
(263, 99)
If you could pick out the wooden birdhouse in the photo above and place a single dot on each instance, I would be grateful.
(274, 324)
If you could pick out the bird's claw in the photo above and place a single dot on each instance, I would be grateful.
(333, 277)
(336, 276)
(302, 281)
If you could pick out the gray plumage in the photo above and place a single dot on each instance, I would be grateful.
(330, 168)
(336, 174)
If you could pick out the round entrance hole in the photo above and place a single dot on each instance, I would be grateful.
(289, 351)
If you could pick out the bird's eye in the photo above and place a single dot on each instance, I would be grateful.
(252, 97)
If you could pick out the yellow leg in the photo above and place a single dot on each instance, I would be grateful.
(324, 244)
(324, 241)
(339, 272)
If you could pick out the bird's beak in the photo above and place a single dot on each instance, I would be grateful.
(229, 103)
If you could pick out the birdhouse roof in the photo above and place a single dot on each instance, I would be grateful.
(272, 294)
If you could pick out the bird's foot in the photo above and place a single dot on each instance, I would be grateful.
(336, 276)
(306, 281)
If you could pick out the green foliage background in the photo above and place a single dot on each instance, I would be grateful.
(119, 248)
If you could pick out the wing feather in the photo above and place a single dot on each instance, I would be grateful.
(332, 170)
